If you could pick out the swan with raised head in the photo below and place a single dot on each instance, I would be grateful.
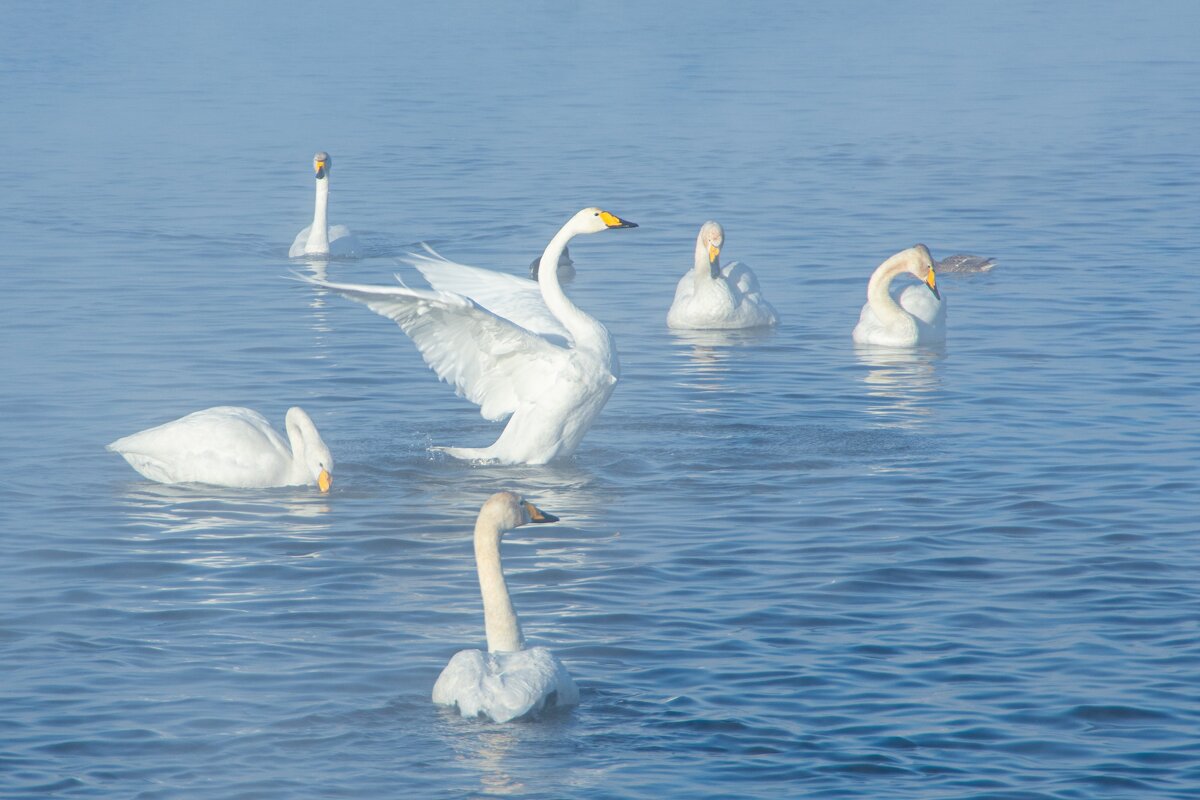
(710, 297)
(231, 446)
(515, 348)
(508, 681)
(919, 317)
(321, 238)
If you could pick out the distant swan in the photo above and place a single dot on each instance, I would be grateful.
(509, 345)
(566, 267)
(920, 317)
(508, 681)
(230, 446)
(964, 264)
(321, 238)
(709, 297)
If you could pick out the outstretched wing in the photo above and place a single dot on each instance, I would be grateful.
(489, 360)
(513, 298)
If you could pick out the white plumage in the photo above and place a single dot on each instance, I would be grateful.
(920, 315)
(507, 682)
(230, 446)
(515, 348)
(320, 238)
(710, 297)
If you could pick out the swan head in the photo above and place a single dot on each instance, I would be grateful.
(322, 163)
(920, 264)
(317, 459)
(508, 510)
(594, 220)
(712, 237)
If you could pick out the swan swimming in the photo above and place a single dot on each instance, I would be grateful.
(508, 681)
(231, 446)
(963, 264)
(321, 238)
(709, 297)
(920, 316)
(515, 348)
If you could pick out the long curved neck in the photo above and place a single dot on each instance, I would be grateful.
(587, 331)
(704, 269)
(318, 234)
(298, 429)
(886, 309)
(499, 617)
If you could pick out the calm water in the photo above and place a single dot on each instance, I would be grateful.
(786, 567)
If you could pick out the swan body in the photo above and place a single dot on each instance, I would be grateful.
(920, 315)
(508, 681)
(566, 267)
(963, 264)
(516, 348)
(321, 238)
(710, 297)
(230, 446)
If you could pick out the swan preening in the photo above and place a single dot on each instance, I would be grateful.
(919, 317)
(231, 446)
(515, 348)
(709, 297)
(321, 238)
(507, 682)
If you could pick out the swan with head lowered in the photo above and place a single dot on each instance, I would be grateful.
(515, 348)
(230, 446)
(321, 238)
(711, 298)
(920, 315)
(508, 681)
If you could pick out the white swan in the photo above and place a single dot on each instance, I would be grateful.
(709, 297)
(566, 267)
(321, 238)
(230, 446)
(509, 345)
(920, 316)
(508, 681)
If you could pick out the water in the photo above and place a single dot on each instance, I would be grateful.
(786, 567)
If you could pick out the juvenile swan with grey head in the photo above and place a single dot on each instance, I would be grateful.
(508, 681)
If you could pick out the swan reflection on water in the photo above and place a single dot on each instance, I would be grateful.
(709, 354)
(213, 511)
(900, 382)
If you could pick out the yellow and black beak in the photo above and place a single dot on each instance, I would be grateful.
(713, 252)
(536, 514)
(613, 221)
(931, 282)
(320, 167)
(324, 480)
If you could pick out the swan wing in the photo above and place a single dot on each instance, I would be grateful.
(489, 360)
(513, 298)
(505, 686)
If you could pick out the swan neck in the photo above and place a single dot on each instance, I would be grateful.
(878, 295)
(499, 616)
(704, 269)
(585, 330)
(318, 236)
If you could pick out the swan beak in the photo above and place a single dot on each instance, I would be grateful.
(713, 252)
(324, 480)
(613, 221)
(320, 167)
(931, 282)
(536, 514)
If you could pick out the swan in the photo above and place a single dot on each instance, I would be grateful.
(230, 446)
(508, 681)
(320, 238)
(709, 297)
(566, 267)
(919, 318)
(515, 348)
(964, 264)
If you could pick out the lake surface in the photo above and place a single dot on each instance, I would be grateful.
(786, 567)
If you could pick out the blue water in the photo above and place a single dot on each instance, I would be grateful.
(785, 567)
